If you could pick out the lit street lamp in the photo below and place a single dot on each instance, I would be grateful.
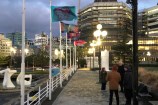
(90, 51)
(148, 54)
(99, 34)
(26, 52)
(12, 52)
(93, 44)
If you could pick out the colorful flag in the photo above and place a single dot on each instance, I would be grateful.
(63, 13)
(73, 28)
(79, 42)
(64, 27)
(72, 35)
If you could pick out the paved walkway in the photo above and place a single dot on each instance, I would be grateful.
(83, 89)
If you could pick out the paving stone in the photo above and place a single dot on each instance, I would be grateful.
(83, 89)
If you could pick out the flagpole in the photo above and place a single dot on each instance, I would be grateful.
(23, 56)
(70, 53)
(75, 57)
(66, 53)
(50, 55)
(79, 2)
(60, 56)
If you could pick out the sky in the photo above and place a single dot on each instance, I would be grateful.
(38, 14)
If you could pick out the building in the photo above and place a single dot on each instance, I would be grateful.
(115, 18)
(41, 39)
(5, 45)
(16, 38)
(148, 22)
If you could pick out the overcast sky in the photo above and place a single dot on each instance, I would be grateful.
(37, 14)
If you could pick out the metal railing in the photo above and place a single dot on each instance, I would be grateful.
(41, 91)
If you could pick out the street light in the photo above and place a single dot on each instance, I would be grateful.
(90, 51)
(26, 52)
(99, 34)
(12, 52)
(93, 44)
(148, 54)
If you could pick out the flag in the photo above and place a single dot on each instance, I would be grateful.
(72, 35)
(79, 42)
(64, 27)
(63, 13)
(73, 28)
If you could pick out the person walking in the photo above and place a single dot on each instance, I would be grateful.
(128, 84)
(103, 75)
(122, 72)
(114, 78)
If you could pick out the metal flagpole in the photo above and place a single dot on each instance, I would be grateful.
(66, 53)
(75, 57)
(79, 5)
(50, 55)
(23, 55)
(70, 53)
(60, 56)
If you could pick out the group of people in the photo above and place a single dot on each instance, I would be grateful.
(119, 75)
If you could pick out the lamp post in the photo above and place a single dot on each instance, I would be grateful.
(99, 34)
(148, 54)
(90, 51)
(26, 52)
(93, 44)
(134, 4)
(12, 52)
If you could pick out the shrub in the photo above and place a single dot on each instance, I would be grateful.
(148, 77)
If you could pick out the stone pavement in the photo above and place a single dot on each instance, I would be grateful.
(83, 89)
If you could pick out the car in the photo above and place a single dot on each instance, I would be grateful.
(39, 68)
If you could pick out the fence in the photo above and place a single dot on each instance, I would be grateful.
(40, 92)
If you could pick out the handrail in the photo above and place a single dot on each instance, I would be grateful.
(43, 88)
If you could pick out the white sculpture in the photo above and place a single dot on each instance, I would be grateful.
(7, 83)
(105, 59)
(26, 82)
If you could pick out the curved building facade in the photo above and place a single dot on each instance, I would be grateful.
(115, 18)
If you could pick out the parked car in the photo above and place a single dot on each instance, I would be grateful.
(39, 68)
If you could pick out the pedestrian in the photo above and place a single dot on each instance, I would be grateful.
(114, 78)
(103, 75)
(122, 72)
(128, 84)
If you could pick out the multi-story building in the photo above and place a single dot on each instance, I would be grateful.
(16, 38)
(5, 46)
(148, 22)
(41, 39)
(115, 18)
(148, 50)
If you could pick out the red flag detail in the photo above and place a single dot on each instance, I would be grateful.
(79, 42)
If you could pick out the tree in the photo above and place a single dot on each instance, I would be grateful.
(4, 60)
(122, 50)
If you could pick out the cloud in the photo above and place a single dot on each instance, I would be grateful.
(38, 14)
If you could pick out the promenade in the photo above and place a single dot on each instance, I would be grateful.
(83, 89)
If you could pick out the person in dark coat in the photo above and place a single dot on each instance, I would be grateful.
(103, 74)
(128, 84)
(122, 72)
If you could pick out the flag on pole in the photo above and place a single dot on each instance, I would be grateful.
(64, 27)
(73, 35)
(73, 28)
(67, 13)
(79, 42)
